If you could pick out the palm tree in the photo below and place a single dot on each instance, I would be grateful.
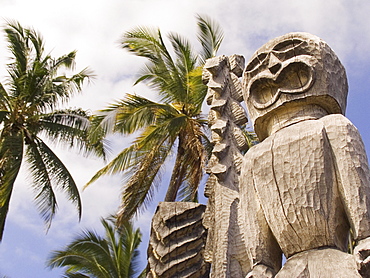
(90, 255)
(174, 124)
(28, 109)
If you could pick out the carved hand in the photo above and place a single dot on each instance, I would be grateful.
(261, 271)
(362, 255)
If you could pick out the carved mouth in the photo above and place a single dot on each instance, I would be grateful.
(295, 78)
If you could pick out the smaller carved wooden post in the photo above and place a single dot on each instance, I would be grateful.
(225, 249)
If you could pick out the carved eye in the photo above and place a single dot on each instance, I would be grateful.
(296, 78)
(287, 45)
(256, 61)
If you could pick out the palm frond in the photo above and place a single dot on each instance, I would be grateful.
(130, 240)
(194, 158)
(143, 273)
(134, 113)
(72, 127)
(4, 98)
(146, 42)
(161, 71)
(185, 58)
(129, 159)
(115, 248)
(37, 42)
(177, 118)
(168, 85)
(42, 183)
(52, 172)
(251, 137)
(75, 275)
(18, 46)
(188, 169)
(68, 61)
(197, 92)
(75, 81)
(127, 115)
(153, 147)
(185, 63)
(88, 253)
(77, 119)
(11, 152)
(34, 76)
(59, 89)
(119, 164)
(91, 254)
(3, 115)
(139, 188)
(33, 89)
(210, 35)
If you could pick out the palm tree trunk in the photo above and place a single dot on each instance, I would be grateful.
(178, 173)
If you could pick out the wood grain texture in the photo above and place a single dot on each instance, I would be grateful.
(225, 247)
(296, 67)
(325, 262)
(298, 192)
(308, 182)
(177, 241)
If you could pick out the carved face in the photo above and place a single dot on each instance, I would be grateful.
(296, 67)
(284, 69)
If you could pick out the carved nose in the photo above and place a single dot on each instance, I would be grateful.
(274, 64)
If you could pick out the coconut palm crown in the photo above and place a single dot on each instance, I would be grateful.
(91, 255)
(29, 100)
(174, 124)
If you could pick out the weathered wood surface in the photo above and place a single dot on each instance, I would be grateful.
(307, 183)
(296, 68)
(299, 192)
(177, 242)
(225, 247)
(319, 263)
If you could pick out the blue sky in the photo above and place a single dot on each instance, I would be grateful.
(94, 28)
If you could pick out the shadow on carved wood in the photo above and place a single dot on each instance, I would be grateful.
(225, 248)
(299, 192)
(177, 240)
(307, 183)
